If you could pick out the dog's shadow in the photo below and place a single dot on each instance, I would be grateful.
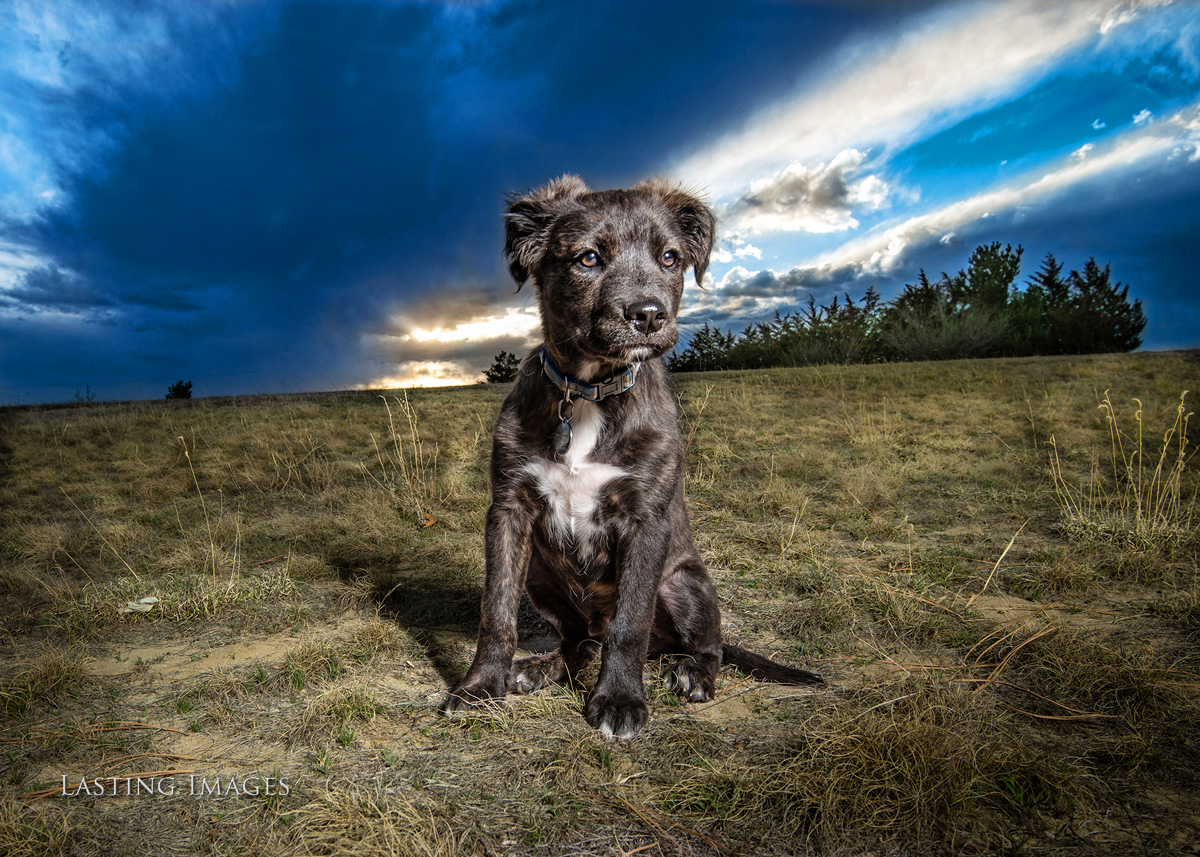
(441, 617)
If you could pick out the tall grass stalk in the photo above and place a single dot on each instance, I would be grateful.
(409, 475)
(100, 533)
(1141, 505)
(693, 424)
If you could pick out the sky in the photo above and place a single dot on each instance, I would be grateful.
(263, 196)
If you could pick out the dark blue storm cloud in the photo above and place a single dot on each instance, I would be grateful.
(255, 185)
(272, 195)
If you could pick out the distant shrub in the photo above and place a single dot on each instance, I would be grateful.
(928, 322)
(978, 312)
(708, 350)
(180, 390)
(504, 368)
(839, 332)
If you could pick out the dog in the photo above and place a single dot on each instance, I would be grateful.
(587, 465)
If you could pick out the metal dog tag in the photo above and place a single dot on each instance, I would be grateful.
(562, 438)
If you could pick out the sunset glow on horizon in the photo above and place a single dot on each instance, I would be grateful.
(516, 322)
(424, 374)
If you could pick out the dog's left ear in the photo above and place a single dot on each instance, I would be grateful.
(528, 221)
(698, 226)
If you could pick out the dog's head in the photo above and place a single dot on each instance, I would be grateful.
(608, 266)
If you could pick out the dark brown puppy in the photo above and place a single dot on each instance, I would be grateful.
(587, 464)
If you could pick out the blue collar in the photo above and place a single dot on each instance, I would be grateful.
(618, 383)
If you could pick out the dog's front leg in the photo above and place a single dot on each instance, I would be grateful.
(507, 544)
(617, 706)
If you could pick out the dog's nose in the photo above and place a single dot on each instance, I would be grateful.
(646, 316)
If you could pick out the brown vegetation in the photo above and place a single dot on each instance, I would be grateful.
(993, 562)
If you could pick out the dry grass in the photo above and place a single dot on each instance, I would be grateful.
(408, 469)
(313, 662)
(1136, 499)
(39, 685)
(905, 763)
(333, 716)
(357, 821)
(38, 833)
(1182, 609)
(997, 683)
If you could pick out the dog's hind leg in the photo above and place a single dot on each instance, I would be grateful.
(553, 600)
(687, 624)
(691, 678)
(536, 672)
(561, 667)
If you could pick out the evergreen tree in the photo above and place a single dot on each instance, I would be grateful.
(1048, 280)
(990, 275)
(978, 312)
(708, 350)
(1096, 316)
(504, 368)
(1030, 325)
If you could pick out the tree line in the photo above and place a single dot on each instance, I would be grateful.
(978, 312)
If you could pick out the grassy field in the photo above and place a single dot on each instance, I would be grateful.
(1000, 588)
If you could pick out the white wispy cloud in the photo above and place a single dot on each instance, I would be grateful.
(1189, 137)
(879, 253)
(18, 263)
(17, 260)
(745, 293)
(895, 89)
(731, 245)
(818, 198)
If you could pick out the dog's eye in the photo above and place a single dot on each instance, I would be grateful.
(589, 259)
(668, 259)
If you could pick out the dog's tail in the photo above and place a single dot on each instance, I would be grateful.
(765, 669)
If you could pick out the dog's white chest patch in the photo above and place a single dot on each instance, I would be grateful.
(572, 485)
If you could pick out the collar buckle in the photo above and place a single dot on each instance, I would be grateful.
(572, 388)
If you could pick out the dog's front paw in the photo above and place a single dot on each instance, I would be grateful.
(617, 714)
(473, 693)
(688, 678)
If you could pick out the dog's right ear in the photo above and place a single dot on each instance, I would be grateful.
(528, 220)
(699, 227)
